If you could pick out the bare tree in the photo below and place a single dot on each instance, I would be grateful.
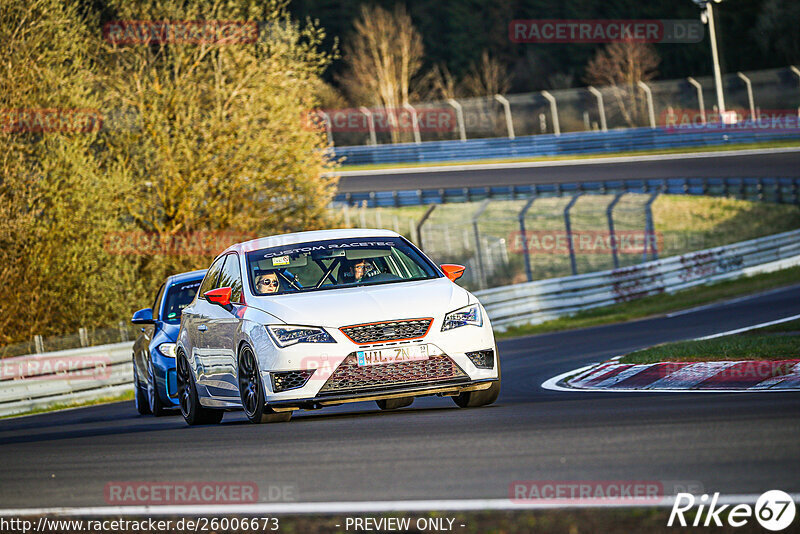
(383, 55)
(621, 66)
(438, 84)
(488, 77)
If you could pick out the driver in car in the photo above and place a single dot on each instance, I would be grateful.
(359, 270)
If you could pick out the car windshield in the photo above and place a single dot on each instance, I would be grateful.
(335, 263)
(178, 297)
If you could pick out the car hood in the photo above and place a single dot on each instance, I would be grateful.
(347, 306)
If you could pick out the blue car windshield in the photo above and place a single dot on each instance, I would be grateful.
(336, 263)
(179, 296)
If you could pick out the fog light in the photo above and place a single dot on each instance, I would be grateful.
(482, 359)
(287, 380)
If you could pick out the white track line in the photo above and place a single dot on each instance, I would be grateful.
(747, 328)
(552, 383)
(563, 162)
(355, 507)
(727, 302)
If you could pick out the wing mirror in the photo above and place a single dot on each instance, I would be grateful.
(453, 271)
(220, 296)
(143, 316)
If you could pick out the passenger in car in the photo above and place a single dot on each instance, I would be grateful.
(267, 283)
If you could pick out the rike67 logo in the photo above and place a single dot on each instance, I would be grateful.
(774, 510)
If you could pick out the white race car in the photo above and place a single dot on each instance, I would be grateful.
(313, 319)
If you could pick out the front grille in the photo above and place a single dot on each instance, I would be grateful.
(350, 377)
(364, 334)
(482, 359)
(286, 380)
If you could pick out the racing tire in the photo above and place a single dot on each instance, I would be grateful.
(139, 394)
(251, 392)
(394, 404)
(473, 399)
(191, 409)
(154, 402)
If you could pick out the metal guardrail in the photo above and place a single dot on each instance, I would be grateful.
(773, 189)
(43, 380)
(622, 140)
(40, 381)
(543, 300)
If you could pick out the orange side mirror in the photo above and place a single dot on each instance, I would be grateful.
(221, 296)
(453, 271)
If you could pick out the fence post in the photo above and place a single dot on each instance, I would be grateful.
(363, 214)
(459, 117)
(650, 110)
(700, 102)
(612, 236)
(346, 213)
(373, 140)
(525, 251)
(84, 337)
(507, 110)
(478, 255)
(568, 226)
(38, 344)
(553, 111)
(750, 101)
(123, 332)
(328, 126)
(421, 222)
(650, 230)
(796, 72)
(600, 106)
(414, 122)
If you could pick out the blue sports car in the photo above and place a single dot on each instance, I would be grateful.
(154, 349)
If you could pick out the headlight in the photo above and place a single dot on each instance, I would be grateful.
(167, 349)
(462, 317)
(286, 335)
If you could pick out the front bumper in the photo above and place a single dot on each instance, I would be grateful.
(442, 389)
(328, 360)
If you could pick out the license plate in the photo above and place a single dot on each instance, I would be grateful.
(393, 355)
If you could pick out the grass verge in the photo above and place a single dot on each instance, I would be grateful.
(661, 304)
(685, 150)
(727, 348)
(66, 405)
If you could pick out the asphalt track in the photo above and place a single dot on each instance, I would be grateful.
(747, 163)
(734, 443)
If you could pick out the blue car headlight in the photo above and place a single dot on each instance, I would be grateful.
(469, 315)
(287, 335)
(167, 349)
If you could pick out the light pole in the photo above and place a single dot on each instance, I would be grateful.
(707, 16)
